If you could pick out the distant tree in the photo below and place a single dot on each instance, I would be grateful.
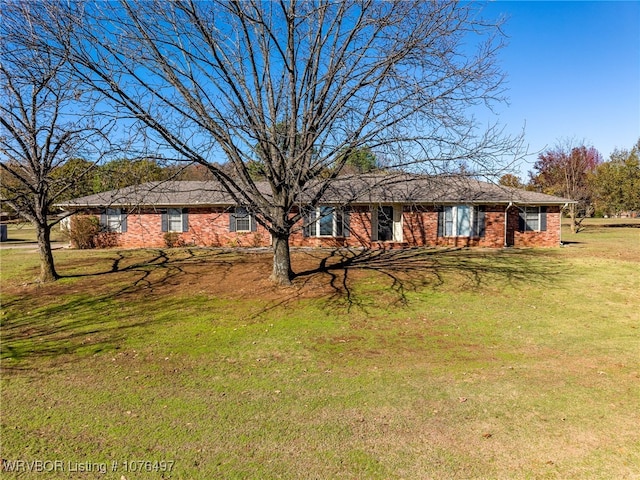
(510, 180)
(46, 124)
(124, 172)
(78, 175)
(616, 183)
(360, 160)
(192, 171)
(564, 171)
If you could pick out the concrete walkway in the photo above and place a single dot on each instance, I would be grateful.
(31, 245)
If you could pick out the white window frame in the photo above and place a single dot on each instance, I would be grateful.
(452, 221)
(532, 215)
(323, 213)
(242, 215)
(113, 219)
(174, 217)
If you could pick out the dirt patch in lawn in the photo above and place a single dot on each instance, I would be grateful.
(223, 274)
(234, 274)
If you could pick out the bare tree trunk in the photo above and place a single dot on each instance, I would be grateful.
(572, 218)
(47, 267)
(282, 272)
(573, 215)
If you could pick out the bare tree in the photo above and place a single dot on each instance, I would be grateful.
(565, 171)
(44, 123)
(297, 86)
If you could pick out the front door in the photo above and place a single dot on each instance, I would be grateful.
(385, 224)
(510, 231)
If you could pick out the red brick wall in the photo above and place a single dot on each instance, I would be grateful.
(548, 238)
(360, 227)
(210, 227)
(420, 227)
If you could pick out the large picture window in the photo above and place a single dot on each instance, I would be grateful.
(326, 221)
(461, 221)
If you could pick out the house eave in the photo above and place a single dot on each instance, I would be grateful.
(75, 206)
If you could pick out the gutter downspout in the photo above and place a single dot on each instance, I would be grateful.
(506, 222)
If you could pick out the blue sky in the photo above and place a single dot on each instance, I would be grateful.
(573, 72)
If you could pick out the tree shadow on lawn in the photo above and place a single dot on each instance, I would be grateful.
(57, 322)
(411, 270)
(172, 266)
(35, 335)
(61, 321)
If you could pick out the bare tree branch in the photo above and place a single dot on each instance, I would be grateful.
(46, 118)
(295, 85)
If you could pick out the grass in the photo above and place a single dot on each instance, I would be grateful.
(24, 233)
(417, 364)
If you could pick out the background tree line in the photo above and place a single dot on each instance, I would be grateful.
(578, 172)
(83, 177)
(601, 187)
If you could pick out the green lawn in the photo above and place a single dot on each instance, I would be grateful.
(23, 233)
(465, 364)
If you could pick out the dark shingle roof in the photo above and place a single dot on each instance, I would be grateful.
(442, 189)
(160, 194)
(356, 189)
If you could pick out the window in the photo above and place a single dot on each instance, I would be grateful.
(326, 221)
(533, 219)
(385, 224)
(175, 220)
(241, 220)
(114, 220)
(461, 221)
(457, 221)
(174, 217)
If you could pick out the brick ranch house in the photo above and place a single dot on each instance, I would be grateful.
(367, 211)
